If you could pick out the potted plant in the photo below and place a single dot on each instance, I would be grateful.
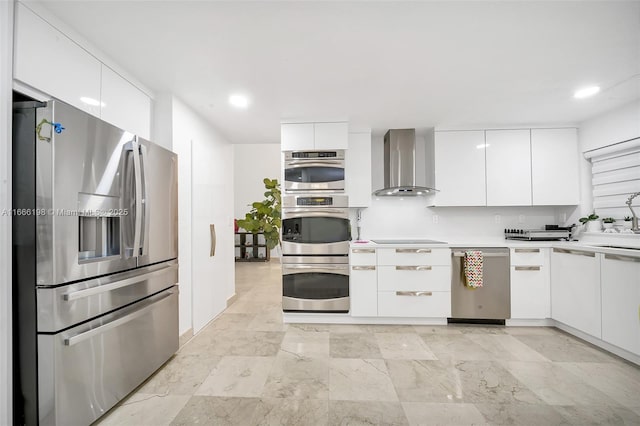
(608, 222)
(627, 222)
(591, 222)
(265, 216)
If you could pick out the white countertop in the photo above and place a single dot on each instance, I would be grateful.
(588, 245)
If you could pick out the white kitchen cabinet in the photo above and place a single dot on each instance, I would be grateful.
(124, 105)
(314, 136)
(508, 162)
(296, 136)
(554, 167)
(358, 169)
(331, 135)
(408, 256)
(414, 278)
(363, 282)
(435, 304)
(460, 168)
(621, 301)
(51, 62)
(530, 283)
(575, 290)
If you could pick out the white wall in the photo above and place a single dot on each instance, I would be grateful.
(6, 75)
(253, 163)
(205, 197)
(618, 125)
(615, 126)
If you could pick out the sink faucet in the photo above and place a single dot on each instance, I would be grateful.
(634, 220)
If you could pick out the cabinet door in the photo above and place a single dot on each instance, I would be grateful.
(575, 290)
(460, 168)
(358, 170)
(124, 105)
(331, 135)
(530, 292)
(621, 302)
(296, 136)
(363, 291)
(51, 62)
(508, 167)
(554, 167)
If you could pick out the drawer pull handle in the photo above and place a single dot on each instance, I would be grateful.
(363, 268)
(422, 250)
(622, 258)
(363, 250)
(527, 250)
(527, 268)
(578, 252)
(414, 293)
(413, 268)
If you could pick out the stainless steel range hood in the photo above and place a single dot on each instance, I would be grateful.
(408, 166)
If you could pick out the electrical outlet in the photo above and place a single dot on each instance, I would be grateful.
(497, 218)
(435, 218)
(521, 218)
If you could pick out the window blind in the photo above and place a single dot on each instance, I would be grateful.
(615, 176)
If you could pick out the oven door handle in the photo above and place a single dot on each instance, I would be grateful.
(305, 269)
(298, 213)
(301, 163)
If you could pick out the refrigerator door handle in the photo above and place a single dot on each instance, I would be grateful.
(138, 184)
(145, 201)
(73, 340)
(75, 295)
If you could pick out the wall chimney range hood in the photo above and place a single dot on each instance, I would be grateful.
(408, 166)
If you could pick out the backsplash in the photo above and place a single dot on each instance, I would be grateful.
(411, 218)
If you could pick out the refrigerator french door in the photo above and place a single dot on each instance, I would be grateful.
(95, 250)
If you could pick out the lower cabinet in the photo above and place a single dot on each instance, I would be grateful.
(415, 304)
(363, 291)
(530, 283)
(575, 293)
(621, 301)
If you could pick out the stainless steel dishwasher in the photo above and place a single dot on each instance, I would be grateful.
(492, 301)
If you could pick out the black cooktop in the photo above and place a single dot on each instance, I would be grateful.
(408, 242)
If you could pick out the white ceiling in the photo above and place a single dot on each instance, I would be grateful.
(379, 64)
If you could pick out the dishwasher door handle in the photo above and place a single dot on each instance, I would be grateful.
(461, 254)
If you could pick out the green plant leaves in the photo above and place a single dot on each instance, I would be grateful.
(265, 216)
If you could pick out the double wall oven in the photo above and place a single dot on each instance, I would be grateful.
(314, 170)
(315, 248)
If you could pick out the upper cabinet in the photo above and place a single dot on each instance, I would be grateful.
(460, 168)
(51, 62)
(521, 167)
(508, 162)
(314, 136)
(554, 167)
(358, 169)
(124, 105)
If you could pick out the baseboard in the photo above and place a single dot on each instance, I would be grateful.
(546, 322)
(185, 337)
(232, 299)
(629, 356)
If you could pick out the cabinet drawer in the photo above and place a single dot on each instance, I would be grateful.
(414, 277)
(395, 304)
(528, 256)
(407, 256)
(530, 292)
(362, 256)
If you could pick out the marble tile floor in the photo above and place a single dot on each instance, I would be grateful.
(248, 368)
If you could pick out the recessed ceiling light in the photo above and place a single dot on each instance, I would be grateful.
(239, 101)
(91, 101)
(586, 92)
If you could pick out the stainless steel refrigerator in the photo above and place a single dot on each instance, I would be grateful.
(95, 248)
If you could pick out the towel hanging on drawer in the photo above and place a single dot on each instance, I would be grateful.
(473, 261)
